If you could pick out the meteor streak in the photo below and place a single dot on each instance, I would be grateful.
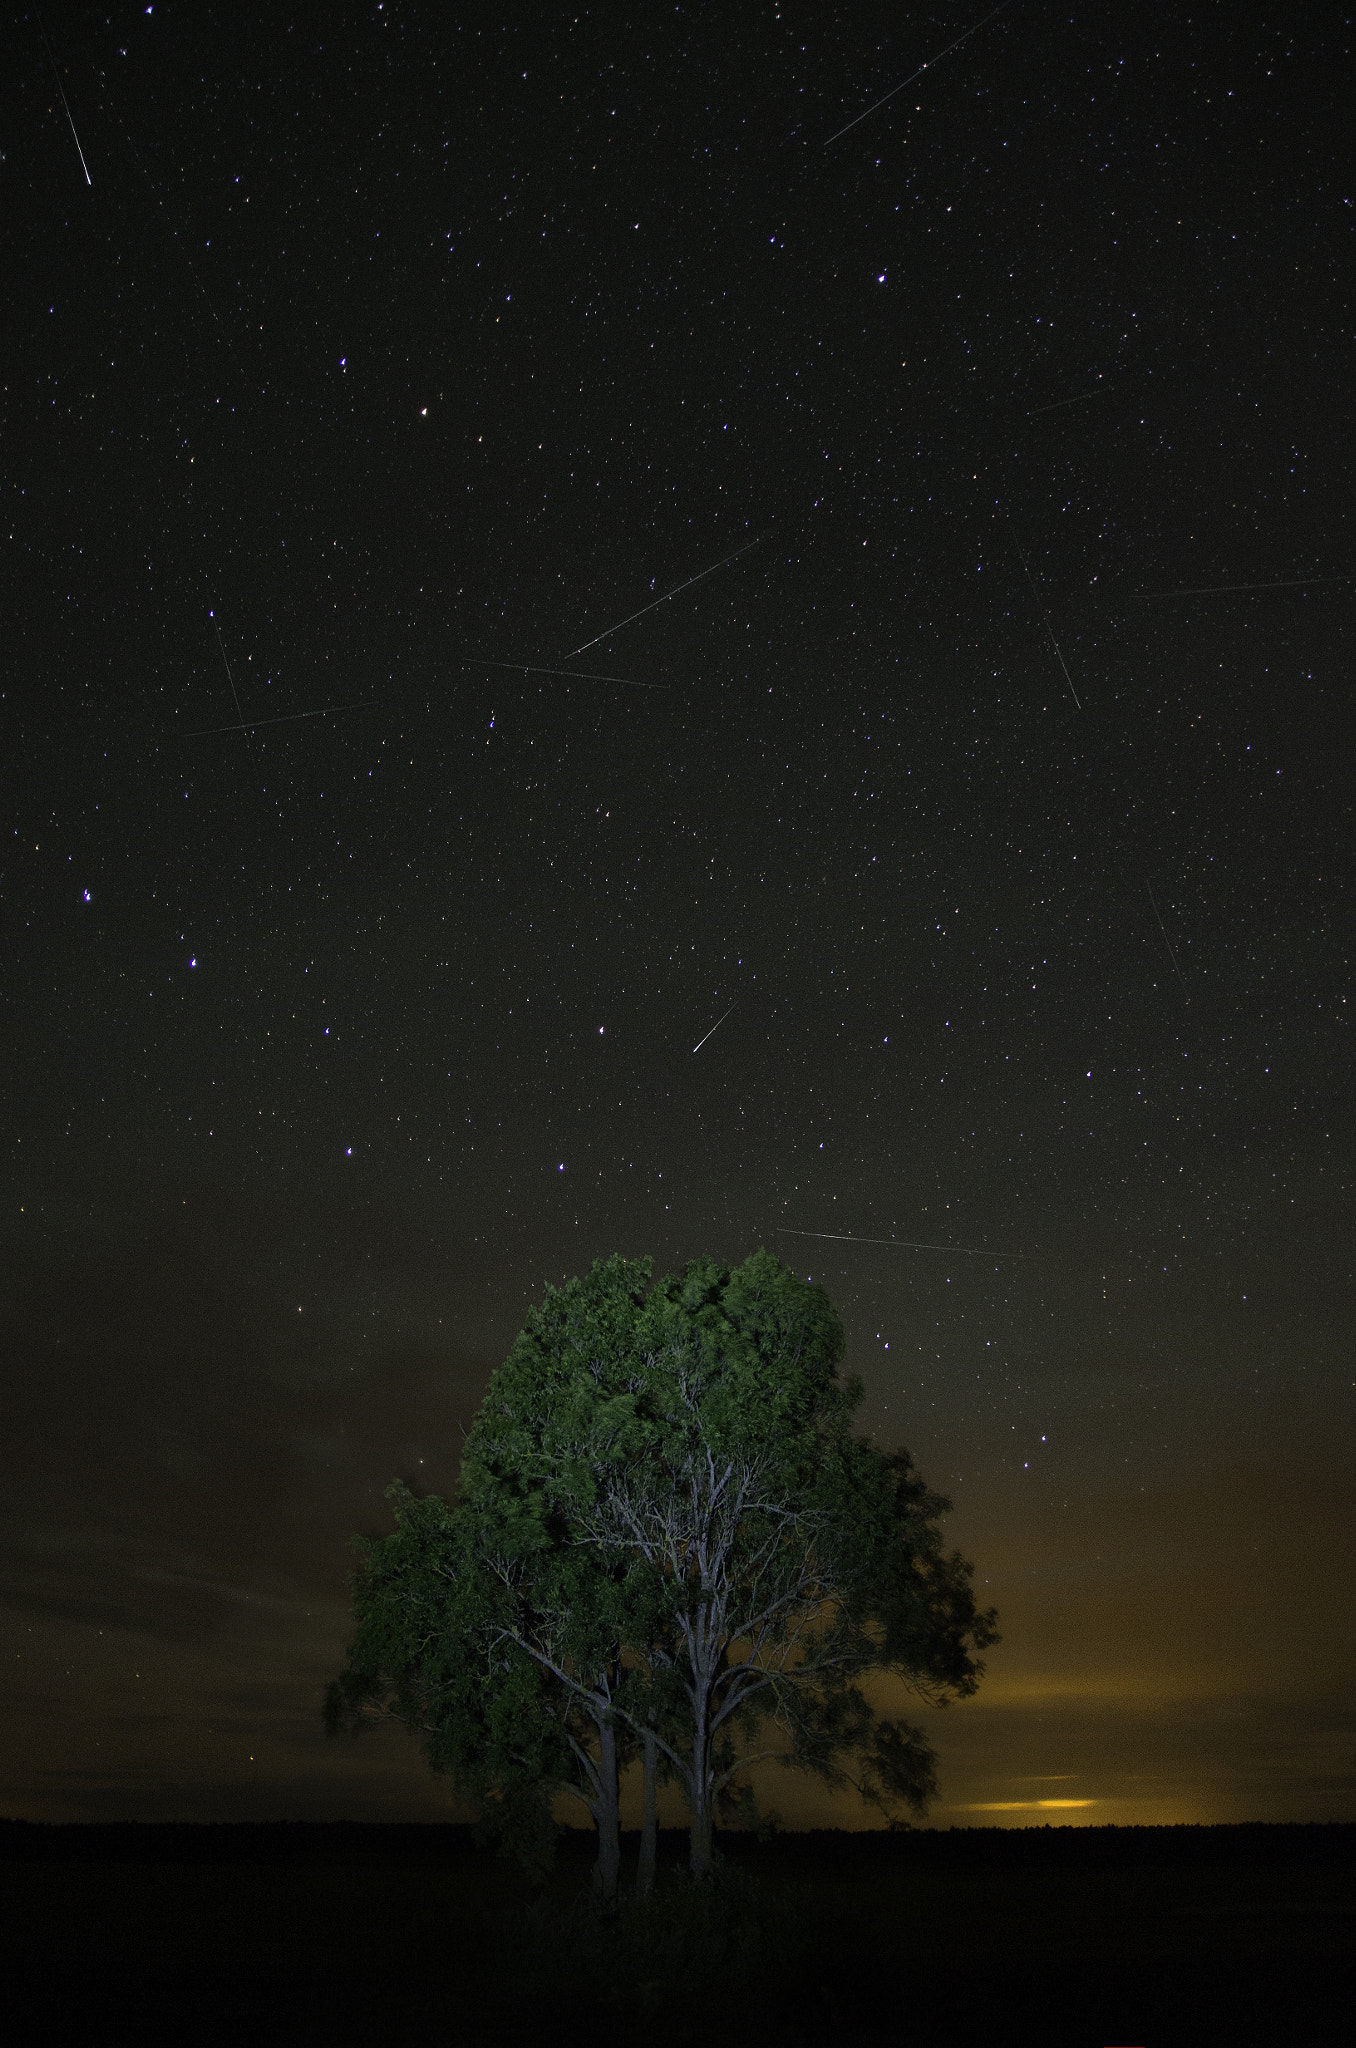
(581, 675)
(916, 74)
(64, 101)
(1081, 399)
(286, 718)
(661, 600)
(969, 1251)
(1167, 941)
(1045, 621)
(1215, 589)
(715, 1027)
(229, 677)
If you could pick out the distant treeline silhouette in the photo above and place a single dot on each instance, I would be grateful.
(1251, 1844)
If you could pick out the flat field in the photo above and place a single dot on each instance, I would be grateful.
(1103, 1938)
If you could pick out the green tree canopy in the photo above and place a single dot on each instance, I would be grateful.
(668, 1541)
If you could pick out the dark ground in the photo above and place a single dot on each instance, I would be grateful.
(1100, 1937)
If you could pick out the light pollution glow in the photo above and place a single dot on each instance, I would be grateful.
(1018, 1805)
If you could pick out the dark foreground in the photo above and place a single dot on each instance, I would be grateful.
(1091, 1937)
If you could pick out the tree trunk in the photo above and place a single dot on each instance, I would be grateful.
(649, 1825)
(607, 1812)
(701, 1842)
(702, 1836)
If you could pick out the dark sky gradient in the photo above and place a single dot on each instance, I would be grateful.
(388, 343)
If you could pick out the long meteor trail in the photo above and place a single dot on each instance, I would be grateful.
(916, 74)
(676, 592)
(239, 708)
(715, 1027)
(64, 101)
(1081, 399)
(286, 718)
(1216, 589)
(573, 675)
(1166, 940)
(969, 1251)
(1045, 619)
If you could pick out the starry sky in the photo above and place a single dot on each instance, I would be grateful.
(950, 849)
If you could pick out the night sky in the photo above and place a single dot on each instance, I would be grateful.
(388, 347)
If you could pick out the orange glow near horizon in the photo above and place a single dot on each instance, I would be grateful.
(1019, 1805)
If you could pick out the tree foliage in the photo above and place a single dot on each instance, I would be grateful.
(669, 1542)
(429, 1652)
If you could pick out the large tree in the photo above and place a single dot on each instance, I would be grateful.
(668, 1543)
